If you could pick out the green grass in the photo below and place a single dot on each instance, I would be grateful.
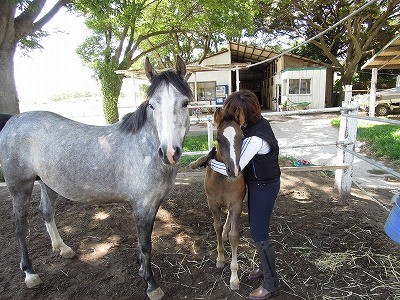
(381, 140)
(196, 143)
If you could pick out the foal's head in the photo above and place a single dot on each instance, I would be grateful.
(229, 138)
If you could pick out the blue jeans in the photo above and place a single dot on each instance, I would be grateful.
(261, 201)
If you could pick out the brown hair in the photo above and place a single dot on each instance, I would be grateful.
(246, 101)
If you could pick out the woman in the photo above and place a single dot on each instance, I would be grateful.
(259, 162)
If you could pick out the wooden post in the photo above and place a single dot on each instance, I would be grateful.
(237, 79)
(195, 88)
(348, 133)
(372, 93)
(134, 91)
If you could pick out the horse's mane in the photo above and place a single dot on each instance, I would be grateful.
(169, 77)
(132, 122)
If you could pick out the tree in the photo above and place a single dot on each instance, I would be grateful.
(124, 31)
(344, 46)
(19, 26)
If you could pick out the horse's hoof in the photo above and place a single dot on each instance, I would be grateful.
(32, 280)
(235, 285)
(220, 264)
(67, 252)
(156, 294)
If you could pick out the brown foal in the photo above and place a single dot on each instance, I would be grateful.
(226, 192)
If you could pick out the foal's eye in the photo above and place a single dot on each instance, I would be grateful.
(185, 104)
(151, 106)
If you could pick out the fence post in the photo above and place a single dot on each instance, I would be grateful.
(348, 133)
(210, 133)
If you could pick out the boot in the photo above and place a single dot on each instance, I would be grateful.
(257, 273)
(270, 284)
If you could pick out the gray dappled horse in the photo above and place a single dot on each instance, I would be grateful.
(132, 161)
(226, 192)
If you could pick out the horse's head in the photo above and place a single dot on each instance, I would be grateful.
(168, 99)
(229, 138)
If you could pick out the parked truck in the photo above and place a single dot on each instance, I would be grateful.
(387, 101)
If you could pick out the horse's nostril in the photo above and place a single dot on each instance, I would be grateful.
(160, 152)
(177, 154)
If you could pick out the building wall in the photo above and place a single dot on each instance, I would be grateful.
(316, 97)
(217, 77)
(217, 59)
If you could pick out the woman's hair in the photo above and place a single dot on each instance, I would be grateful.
(245, 100)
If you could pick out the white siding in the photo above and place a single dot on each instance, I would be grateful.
(317, 88)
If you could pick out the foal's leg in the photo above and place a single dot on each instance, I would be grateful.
(234, 242)
(21, 196)
(227, 227)
(216, 212)
(144, 224)
(47, 199)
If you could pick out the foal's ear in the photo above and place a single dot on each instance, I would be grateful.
(239, 115)
(218, 116)
(180, 67)
(148, 68)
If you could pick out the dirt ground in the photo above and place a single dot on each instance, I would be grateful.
(327, 248)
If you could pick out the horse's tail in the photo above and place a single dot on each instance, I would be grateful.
(200, 162)
(4, 119)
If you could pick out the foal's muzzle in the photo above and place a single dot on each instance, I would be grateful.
(169, 155)
(232, 170)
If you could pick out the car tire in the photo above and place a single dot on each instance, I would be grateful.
(381, 110)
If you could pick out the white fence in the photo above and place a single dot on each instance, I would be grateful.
(345, 142)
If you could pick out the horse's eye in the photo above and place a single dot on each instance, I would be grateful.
(185, 104)
(151, 106)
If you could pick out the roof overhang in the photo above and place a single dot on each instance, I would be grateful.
(250, 53)
(387, 58)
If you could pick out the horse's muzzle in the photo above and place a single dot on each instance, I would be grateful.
(232, 171)
(170, 155)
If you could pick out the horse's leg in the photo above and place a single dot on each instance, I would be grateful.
(47, 199)
(227, 227)
(144, 225)
(21, 195)
(234, 242)
(216, 212)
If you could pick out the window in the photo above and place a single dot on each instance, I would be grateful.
(299, 86)
(205, 90)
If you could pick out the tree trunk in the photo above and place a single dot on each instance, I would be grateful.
(9, 102)
(345, 80)
(111, 84)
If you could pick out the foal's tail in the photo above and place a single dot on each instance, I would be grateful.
(3, 120)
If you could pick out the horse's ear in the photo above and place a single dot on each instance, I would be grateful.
(148, 68)
(180, 67)
(239, 115)
(218, 116)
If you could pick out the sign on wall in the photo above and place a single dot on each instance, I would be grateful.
(221, 92)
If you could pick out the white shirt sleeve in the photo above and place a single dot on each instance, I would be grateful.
(251, 146)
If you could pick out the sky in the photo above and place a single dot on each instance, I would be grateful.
(56, 69)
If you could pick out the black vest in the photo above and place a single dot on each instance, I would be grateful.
(263, 168)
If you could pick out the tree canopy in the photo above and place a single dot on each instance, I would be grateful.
(124, 31)
(346, 45)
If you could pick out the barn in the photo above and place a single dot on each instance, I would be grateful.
(277, 80)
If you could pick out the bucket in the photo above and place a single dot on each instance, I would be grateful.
(392, 226)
